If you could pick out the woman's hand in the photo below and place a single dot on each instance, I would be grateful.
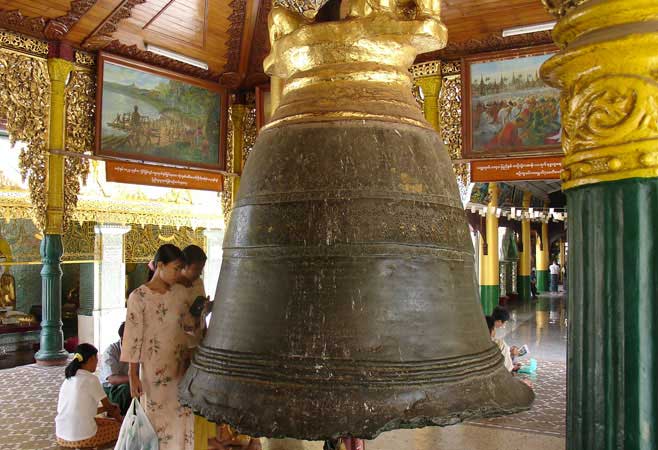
(115, 413)
(136, 387)
(135, 383)
(111, 409)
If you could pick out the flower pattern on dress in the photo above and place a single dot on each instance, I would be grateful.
(153, 347)
(162, 378)
(159, 344)
(161, 312)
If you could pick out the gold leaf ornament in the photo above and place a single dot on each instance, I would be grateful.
(25, 103)
(80, 110)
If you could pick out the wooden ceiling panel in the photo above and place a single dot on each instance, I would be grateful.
(195, 28)
(90, 21)
(477, 19)
(215, 31)
(31, 8)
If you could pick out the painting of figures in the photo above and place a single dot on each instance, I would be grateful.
(148, 114)
(509, 109)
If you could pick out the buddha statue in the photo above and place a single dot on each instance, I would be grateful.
(7, 290)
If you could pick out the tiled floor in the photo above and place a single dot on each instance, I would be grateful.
(28, 399)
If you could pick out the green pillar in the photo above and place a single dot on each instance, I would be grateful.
(610, 178)
(525, 252)
(543, 280)
(52, 339)
(489, 298)
(612, 386)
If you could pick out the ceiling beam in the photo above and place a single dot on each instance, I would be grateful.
(248, 31)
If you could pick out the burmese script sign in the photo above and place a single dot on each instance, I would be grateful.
(131, 173)
(521, 169)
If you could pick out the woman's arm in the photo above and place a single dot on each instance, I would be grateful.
(133, 338)
(111, 409)
(118, 379)
(135, 382)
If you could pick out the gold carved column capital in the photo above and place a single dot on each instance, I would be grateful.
(610, 110)
(430, 86)
(59, 69)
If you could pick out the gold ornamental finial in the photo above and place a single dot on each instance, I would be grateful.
(609, 113)
(351, 62)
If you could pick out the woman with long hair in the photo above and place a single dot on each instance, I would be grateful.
(75, 424)
(155, 344)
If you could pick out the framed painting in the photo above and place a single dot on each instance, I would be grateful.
(507, 109)
(146, 113)
(263, 105)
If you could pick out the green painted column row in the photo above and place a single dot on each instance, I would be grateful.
(543, 280)
(52, 339)
(613, 315)
(523, 287)
(489, 297)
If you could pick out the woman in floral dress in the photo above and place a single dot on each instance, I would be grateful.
(155, 343)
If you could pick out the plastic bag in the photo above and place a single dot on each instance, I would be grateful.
(529, 368)
(136, 433)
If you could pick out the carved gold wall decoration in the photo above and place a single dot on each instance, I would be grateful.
(84, 59)
(249, 136)
(609, 111)
(450, 111)
(15, 205)
(250, 132)
(142, 243)
(80, 109)
(127, 212)
(425, 69)
(227, 197)
(25, 102)
(79, 240)
(450, 120)
(22, 43)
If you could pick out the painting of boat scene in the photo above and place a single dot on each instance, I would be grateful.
(512, 110)
(149, 116)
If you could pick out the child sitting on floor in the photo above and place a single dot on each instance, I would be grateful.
(76, 425)
(504, 348)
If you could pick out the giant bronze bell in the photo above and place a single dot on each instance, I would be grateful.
(347, 302)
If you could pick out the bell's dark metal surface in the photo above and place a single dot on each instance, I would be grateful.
(347, 303)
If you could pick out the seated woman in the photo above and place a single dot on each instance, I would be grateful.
(75, 424)
(504, 348)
